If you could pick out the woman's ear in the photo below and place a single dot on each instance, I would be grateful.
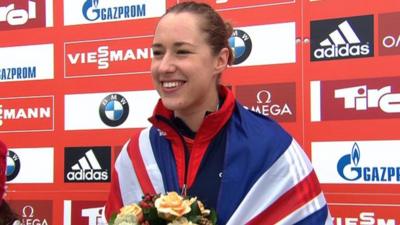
(222, 60)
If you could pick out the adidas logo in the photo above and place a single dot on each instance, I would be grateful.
(342, 42)
(87, 169)
(337, 37)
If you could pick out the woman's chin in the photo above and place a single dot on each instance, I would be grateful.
(171, 104)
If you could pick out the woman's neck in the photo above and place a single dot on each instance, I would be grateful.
(194, 118)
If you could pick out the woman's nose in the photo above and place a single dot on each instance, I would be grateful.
(167, 64)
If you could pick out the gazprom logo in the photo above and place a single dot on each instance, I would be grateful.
(351, 160)
(349, 169)
(92, 11)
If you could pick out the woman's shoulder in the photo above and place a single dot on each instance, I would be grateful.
(260, 131)
(257, 123)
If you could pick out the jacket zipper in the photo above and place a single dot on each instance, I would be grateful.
(187, 158)
(186, 153)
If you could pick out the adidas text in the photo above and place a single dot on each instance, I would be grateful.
(87, 175)
(342, 51)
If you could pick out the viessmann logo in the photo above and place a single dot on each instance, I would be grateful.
(372, 162)
(25, 14)
(87, 164)
(33, 113)
(355, 99)
(277, 101)
(351, 37)
(364, 218)
(364, 214)
(130, 55)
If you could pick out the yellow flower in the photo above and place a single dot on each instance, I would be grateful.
(129, 215)
(131, 209)
(126, 223)
(181, 221)
(203, 210)
(172, 205)
(126, 219)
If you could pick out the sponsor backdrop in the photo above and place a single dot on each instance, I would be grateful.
(73, 87)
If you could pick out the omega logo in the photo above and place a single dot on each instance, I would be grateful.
(28, 217)
(265, 93)
(391, 42)
(30, 211)
(266, 107)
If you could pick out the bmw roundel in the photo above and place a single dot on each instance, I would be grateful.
(114, 109)
(241, 45)
(13, 165)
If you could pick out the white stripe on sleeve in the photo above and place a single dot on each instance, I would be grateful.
(149, 160)
(131, 192)
(312, 206)
(283, 175)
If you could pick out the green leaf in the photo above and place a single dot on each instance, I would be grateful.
(151, 216)
(195, 213)
(213, 216)
(112, 219)
(194, 210)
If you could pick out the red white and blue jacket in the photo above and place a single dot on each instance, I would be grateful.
(264, 176)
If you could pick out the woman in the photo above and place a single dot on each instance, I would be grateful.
(7, 216)
(204, 143)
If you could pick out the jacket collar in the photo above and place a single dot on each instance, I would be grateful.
(209, 128)
(212, 122)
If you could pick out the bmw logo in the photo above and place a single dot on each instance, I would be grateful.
(13, 165)
(114, 110)
(241, 45)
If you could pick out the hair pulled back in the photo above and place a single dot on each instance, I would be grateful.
(218, 31)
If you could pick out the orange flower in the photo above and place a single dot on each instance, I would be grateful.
(132, 209)
(172, 205)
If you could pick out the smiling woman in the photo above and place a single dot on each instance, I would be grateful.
(204, 143)
(185, 69)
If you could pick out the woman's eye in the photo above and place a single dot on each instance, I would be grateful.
(182, 52)
(157, 53)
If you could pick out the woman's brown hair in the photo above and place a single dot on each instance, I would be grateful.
(218, 32)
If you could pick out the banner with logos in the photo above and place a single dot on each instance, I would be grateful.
(75, 82)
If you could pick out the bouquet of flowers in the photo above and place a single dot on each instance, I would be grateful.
(168, 209)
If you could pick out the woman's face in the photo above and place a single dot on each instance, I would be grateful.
(184, 69)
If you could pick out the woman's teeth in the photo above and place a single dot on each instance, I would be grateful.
(171, 84)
